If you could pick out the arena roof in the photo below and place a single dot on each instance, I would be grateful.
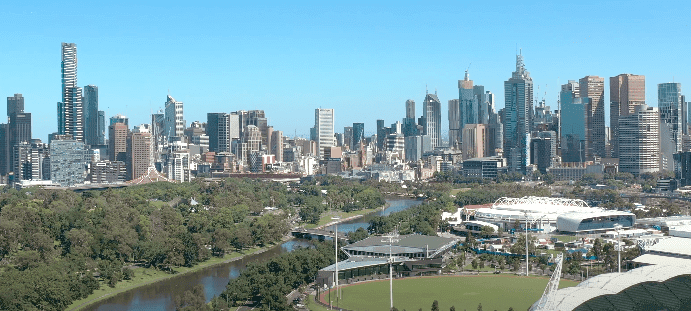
(620, 289)
(413, 243)
(673, 246)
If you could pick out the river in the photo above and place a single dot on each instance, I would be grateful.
(159, 296)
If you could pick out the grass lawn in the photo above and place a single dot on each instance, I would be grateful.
(494, 292)
(313, 306)
(565, 238)
(143, 276)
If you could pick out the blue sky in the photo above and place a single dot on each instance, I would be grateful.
(362, 59)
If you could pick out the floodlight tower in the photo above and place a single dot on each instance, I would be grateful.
(618, 227)
(391, 238)
(336, 219)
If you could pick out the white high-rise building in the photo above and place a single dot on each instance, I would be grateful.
(174, 124)
(639, 141)
(71, 109)
(324, 129)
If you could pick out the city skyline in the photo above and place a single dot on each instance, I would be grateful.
(303, 58)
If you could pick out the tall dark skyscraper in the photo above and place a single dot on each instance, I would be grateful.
(381, 134)
(15, 104)
(518, 99)
(91, 128)
(431, 109)
(593, 87)
(358, 135)
(71, 109)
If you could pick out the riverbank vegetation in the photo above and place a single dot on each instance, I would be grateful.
(64, 245)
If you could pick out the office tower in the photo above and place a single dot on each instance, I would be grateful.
(431, 109)
(68, 161)
(70, 110)
(483, 105)
(467, 101)
(410, 109)
(474, 141)
(118, 118)
(117, 141)
(253, 139)
(91, 114)
(217, 128)
(454, 124)
(670, 104)
(517, 120)
(639, 140)
(541, 153)
(625, 92)
(101, 127)
(593, 87)
(15, 104)
(107, 172)
(324, 129)
(416, 146)
(174, 124)
(348, 137)
(277, 145)
(574, 110)
(138, 154)
(358, 135)
(20, 131)
(381, 135)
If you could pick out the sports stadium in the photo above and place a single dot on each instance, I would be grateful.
(553, 214)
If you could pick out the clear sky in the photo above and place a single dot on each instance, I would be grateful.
(363, 59)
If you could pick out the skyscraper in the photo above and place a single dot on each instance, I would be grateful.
(138, 154)
(410, 109)
(91, 129)
(670, 103)
(381, 135)
(482, 103)
(117, 141)
(431, 109)
(518, 99)
(324, 129)
(217, 128)
(639, 140)
(593, 87)
(574, 112)
(101, 127)
(454, 124)
(626, 91)
(358, 135)
(68, 161)
(70, 110)
(15, 104)
(174, 124)
(467, 101)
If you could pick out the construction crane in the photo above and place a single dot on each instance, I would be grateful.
(545, 302)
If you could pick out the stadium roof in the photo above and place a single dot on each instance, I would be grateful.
(413, 243)
(358, 262)
(673, 246)
(622, 290)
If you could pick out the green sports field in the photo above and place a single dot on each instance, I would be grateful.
(495, 292)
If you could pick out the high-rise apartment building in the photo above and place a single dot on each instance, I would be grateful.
(639, 140)
(68, 161)
(626, 91)
(174, 123)
(454, 124)
(593, 87)
(410, 109)
(671, 106)
(71, 109)
(277, 145)
(517, 119)
(138, 154)
(475, 143)
(324, 129)
(117, 141)
(431, 109)
(91, 115)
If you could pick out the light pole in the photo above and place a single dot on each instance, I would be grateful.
(391, 238)
(618, 227)
(336, 219)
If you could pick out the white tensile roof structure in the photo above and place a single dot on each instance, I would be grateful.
(645, 286)
(535, 207)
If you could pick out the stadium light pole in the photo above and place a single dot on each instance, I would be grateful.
(391, 238)
(618, 227)
(336, 219)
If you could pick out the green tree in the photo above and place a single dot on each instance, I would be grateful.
(435, 306)
(479, 307)
(192, 300)
(487, 231)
